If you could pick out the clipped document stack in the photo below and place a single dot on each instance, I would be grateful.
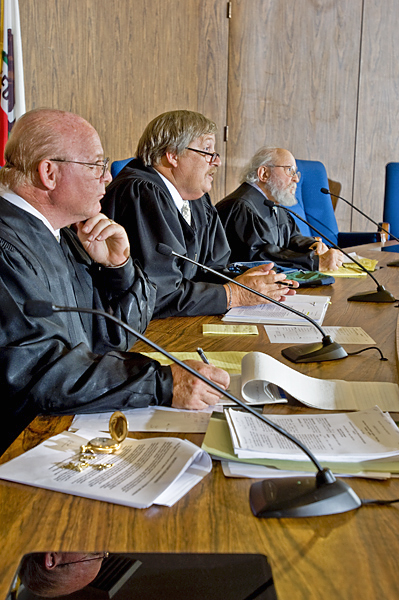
(314, 307)
(345, 442)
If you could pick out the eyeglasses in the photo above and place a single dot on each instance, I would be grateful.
(99, 167)
(100, 557)
(214, 155)
(289, 169)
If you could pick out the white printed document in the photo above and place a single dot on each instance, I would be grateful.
(263, 377)
(341, 437)
(298, 334)
(314, 307)
(144, 472)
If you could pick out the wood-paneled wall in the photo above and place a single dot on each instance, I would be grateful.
(119, 63)
(316, 76)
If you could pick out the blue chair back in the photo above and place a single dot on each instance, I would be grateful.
(391, 198)
(118, 165)
(312, 205)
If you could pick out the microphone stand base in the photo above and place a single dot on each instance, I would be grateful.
(294, 497)
(317, 352)
(380, 295)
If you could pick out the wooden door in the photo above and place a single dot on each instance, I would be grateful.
(293, 82)
(378, 121)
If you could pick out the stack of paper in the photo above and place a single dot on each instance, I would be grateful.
(364, 436)
(374, 447)
(314, 307)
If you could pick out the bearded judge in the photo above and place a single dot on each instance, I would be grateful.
(259, 231)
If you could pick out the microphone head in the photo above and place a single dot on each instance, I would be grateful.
(164, 249)
(325, 191)
(38, 308)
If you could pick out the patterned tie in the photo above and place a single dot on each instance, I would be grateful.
(186, 211)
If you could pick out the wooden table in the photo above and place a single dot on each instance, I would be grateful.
(348, 556)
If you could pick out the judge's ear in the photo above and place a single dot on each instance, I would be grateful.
(47, 171)
(50, 560)
(172, 158)
(263, 173)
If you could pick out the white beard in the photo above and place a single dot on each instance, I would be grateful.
(284, 197)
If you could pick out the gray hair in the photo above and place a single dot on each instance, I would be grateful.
(172, 131)
(264, 156)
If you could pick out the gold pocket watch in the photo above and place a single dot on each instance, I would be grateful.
(118, 429)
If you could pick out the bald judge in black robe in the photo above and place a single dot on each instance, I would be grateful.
(69, 362)
(257, 230)
(139, 200)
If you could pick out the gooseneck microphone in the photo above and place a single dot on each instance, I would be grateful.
(317, 352)
(289, 497)
(326, 191)
(395, 263)
(380, 295)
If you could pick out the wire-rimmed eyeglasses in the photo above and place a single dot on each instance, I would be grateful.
(101, 166)
(289, 169)
(82, 560)
(214, 155)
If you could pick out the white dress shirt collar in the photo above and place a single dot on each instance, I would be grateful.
(177, 199)
(16, 200)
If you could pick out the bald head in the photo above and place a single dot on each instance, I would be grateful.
(39, 134)
(52, 574)
(55, 163)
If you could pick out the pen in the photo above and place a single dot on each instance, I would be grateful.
(203, 356)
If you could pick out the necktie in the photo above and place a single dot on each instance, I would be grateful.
(186, 211)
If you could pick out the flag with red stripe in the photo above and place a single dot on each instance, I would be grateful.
(12, 104)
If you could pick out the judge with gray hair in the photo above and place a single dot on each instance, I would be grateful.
(162, 196)
(257, 230)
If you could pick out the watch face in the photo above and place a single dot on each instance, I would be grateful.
(100, 444)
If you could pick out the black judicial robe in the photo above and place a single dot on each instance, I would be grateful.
(257, 230)
(70, 362)
(139, 200)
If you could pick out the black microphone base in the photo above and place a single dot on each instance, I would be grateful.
(317, 352)
(379, 295)
(294, 497)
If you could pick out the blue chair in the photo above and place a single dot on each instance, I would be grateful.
(391, 197)
(318, 210)
(118, 165)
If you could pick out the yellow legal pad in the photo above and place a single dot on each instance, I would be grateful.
(217, 329)
(229, 361)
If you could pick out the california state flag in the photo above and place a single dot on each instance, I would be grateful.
(12, 74)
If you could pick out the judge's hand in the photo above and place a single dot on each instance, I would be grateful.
(319, 246)
(105, 241)
(264, 280)
(190, 392)
(331, 260)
